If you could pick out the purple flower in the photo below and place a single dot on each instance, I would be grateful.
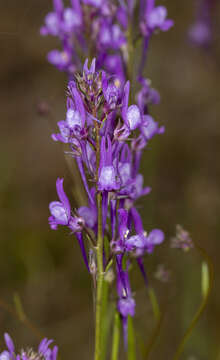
(130, 114)
(201, 31)
(111, 93)
(200, 34)
(126, 306)
(141, 242)
(61, 59)
(71, 20)
(111, 36)
(150, 127)
(61, 211)
(98, 104)
(89, 215)
(51, 26)
(182, 240)
(96, 3)
(155, 18)
(126, 303)
(146, 95)
(155, 237)
(73, 128)
(107, 173)
(118, 246)
(44, 351)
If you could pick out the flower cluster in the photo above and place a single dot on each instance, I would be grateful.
(107, 30)
(104, 132)
(106, 136)
(44, 351)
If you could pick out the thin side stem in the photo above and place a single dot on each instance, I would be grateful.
(202, 306)
(23, 319)
(99, 251)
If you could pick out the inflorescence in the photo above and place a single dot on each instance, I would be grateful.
(96, 107)
(104, 132)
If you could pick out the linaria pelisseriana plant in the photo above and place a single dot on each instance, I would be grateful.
(106, 133)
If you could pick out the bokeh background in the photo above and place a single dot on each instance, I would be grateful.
(42, 269)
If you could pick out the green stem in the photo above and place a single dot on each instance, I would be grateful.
(154, 303)
(131, 352)
(203, 304)
(99, 251)
(116, 337)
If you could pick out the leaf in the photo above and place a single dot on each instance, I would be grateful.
(205, 279)
(154, 303)
(19, 307)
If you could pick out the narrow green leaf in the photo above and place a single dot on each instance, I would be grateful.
(116, 336)
(154, 303)
(205, 279)
(131, 340)
(19, 307)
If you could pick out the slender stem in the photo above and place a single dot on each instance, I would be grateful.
(131, 352)
(116, 337)
(203, 304)
(99, 250)
(23, 319)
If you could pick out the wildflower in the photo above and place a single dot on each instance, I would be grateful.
(107, 173)
(200, 32)
(182, 240)
(147, 95)
(155, 18)
(116, 178)
(162, 273)
(44, 351)
(150, 127)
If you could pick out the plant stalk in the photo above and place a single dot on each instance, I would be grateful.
(99, 253)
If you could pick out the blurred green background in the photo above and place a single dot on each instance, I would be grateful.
(44, 268)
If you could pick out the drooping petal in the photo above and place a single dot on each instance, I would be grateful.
(62, 196)
(9, 343)
(156, 237)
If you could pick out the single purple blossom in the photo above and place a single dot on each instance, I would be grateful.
(61, 211)
(107, 173)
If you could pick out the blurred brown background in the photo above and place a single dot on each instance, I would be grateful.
(44, 268)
